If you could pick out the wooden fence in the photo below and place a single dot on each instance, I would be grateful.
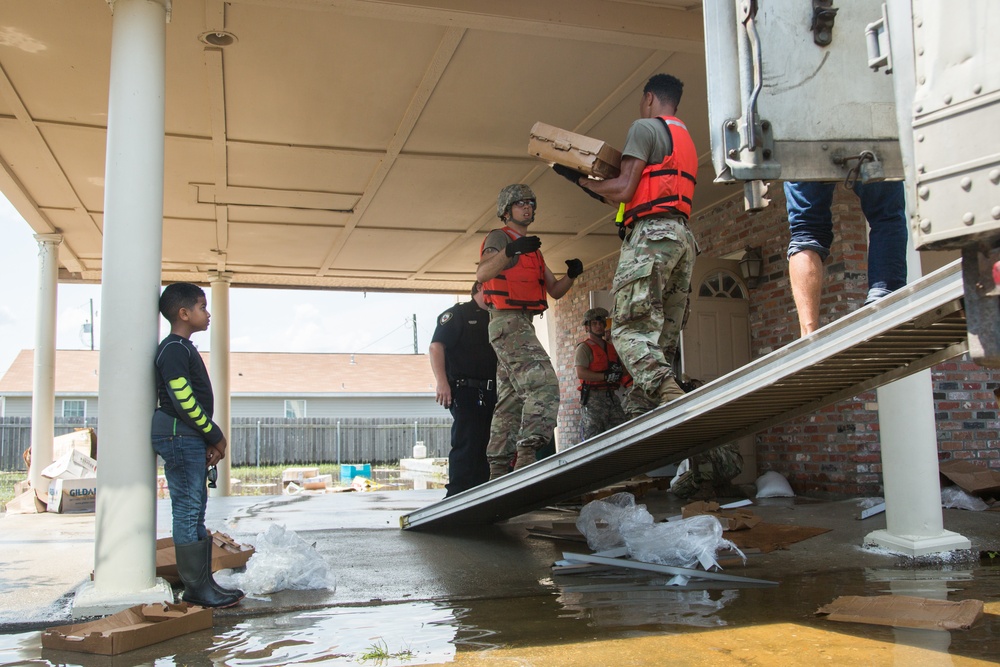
(274, 441)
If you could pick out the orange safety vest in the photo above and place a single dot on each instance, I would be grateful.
(667, 187)
(521, 287)
(599, 362)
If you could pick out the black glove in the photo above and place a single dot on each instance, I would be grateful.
(574, 267)
(613, 377)
(523, 244)
(574, 176)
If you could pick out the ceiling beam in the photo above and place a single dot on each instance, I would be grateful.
(445, 51)
(598, 21)
(18, 195)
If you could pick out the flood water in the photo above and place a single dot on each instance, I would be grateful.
(613, 619)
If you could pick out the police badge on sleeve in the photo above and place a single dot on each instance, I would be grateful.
(445, 317)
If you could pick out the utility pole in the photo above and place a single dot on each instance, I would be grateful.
(91, 325)
(415, 334)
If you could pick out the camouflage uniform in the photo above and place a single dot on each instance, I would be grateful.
(715, 468)
(602, 411)
(650, 289)
(527, 388)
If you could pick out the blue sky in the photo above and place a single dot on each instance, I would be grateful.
(263, 320)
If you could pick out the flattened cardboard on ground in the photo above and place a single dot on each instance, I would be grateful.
(731, 519)
(227, 553)
(127, 630)
(769, 537)
(584, 154)
(972, 477)
(25, 503)
(903, 611)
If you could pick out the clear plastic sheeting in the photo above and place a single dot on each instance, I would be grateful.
(616, 521)
(603, 521)
(685, 543)
(955, 497)
(282, 561)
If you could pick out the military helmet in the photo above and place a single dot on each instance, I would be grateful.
(511, 194)
(594, 314)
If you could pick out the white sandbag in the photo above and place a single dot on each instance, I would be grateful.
(773, 485)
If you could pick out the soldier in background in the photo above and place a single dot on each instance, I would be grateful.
(516, 282)
(600, 374)
(465, 368)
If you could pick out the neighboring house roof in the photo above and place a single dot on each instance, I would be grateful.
(255, 373)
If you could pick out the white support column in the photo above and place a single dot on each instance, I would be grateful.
(43, 392)
(133, 228)
(914, 523)
(219, 372)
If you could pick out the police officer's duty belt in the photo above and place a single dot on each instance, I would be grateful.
(476, 384)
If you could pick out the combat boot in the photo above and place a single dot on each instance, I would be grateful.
(498, 469)
(670, 391)
(525, 456)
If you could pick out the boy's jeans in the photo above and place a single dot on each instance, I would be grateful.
(186, 472)
(884, 207)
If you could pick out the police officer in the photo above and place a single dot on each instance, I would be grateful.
(600, 373)
(517, 282)
(465, 368)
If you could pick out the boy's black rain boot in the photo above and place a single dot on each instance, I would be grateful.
(195, 571)
(215, 584)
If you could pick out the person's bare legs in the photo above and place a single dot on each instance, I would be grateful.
(805, 269)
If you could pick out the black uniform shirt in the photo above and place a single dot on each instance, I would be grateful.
(462, 329)
(183, 387)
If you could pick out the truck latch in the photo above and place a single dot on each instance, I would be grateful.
(824, 14)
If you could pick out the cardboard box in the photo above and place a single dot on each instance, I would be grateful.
(903, 611)
(83, 440)
(318, 482)
(74, 464)
(971, 477)
(584, 154)
(298, 475)
(72, 495)
(127, 630)
(731, 519)
(227, 553)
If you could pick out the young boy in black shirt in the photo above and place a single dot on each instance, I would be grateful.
(188, 441)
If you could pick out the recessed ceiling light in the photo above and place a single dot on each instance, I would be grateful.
(217, 38)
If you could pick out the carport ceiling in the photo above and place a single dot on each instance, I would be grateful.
(340, 144)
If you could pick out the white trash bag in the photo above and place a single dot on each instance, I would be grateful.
(602, 521)
(956, 497)
(284, 561)
(686, 543)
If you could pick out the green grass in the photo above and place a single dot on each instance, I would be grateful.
(379, 652)
(7, 482)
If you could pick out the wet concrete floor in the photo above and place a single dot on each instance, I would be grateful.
(488, 596)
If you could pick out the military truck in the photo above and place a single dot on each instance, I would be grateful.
(857, 89)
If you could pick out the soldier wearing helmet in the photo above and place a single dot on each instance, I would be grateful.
(516, 284)
(601, 374)
(653, 279)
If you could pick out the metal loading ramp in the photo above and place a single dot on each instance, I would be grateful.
(912, 329)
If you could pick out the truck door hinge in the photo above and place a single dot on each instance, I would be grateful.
(824, 14)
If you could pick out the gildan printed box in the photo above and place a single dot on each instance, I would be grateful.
(72, 495)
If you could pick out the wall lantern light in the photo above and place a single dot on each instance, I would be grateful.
(751, 265)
